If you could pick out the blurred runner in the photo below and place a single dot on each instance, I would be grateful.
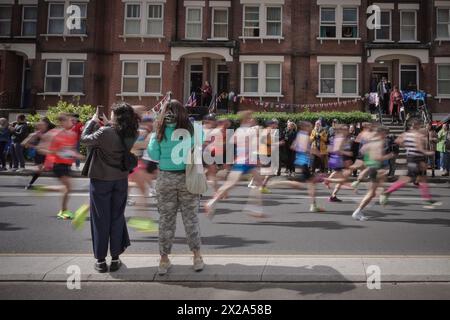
(303, 152)
(373, 158)
(144, 174)
(60, 155)
(244, 164)
(415, 144)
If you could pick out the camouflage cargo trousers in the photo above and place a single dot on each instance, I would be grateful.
(172, 195)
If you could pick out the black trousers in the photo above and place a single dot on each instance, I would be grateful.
(108, 225)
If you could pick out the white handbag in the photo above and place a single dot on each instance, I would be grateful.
(196, 182)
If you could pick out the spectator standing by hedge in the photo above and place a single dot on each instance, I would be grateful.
(319, 139)
(442, 147)
(18, 133)
(5, 140)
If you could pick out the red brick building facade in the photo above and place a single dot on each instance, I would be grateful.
(292, 51)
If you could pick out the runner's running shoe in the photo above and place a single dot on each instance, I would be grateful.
(264, 190)
(432, 204)
(80, 217)
(315, 208)
(384, 197)
(65, 215)
(143, 224)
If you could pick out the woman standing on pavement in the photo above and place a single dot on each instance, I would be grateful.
(5, 140)
(108, 146)
(443, 136)
(171, 192)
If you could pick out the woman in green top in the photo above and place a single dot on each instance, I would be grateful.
(443, 136)
(171, 192)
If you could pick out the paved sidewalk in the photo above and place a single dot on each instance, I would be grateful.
(231, 268)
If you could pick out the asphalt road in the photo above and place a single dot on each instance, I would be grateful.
(28, 224)
(223, 291)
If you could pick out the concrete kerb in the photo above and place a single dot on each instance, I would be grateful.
(237, 268)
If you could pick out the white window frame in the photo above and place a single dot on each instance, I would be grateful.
(195, 22)
(69, 76)
(66, 32)
(252, 28)
(335, 79)
(7, 20)
(261, 61)
(126, 18)
(161, 20)
(64, 58)
(335, 25)
(339, 21)
(439, 95)
(385, 25)
(138, 76)
(29, 21)
(142, 61)
(356, 25)
(213, 22)
(63, 18)
(83, 18)
(243, 78)
(437, 23)
(351, 79)
(266, 21)
(280, 78)
(60, 76)
(339, 63)
(402, 25)
(262, 21)
(400, 73)
(143, 19)
(153, 77)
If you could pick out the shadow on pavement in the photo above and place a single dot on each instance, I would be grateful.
(275, 277)
(219, 241)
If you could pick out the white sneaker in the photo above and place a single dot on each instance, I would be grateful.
(164, 267)
(152, 193)
(131, 202)
(198, 264)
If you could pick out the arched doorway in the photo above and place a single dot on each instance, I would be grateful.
(200, 65)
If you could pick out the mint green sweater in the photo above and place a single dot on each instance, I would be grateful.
(162, 151)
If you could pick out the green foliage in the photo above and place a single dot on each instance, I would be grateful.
(283, 117)
(85, 111)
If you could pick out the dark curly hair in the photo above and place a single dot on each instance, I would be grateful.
(126, 120)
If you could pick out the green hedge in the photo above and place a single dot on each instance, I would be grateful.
(283, 117)
(85, 111)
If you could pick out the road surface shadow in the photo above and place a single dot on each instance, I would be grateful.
(4, 204)
(7, 227)
(327, 225)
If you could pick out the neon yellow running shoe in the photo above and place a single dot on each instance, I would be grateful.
(143, 224)
(66, 215)
(80, 217)
(264, 190)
